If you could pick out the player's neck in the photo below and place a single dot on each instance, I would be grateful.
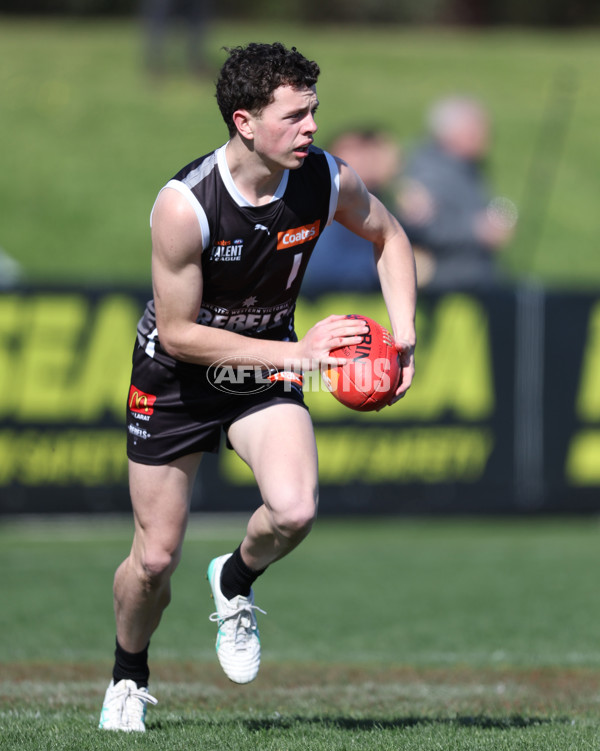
(255, 180)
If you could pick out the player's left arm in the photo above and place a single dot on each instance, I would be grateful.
(362, 213)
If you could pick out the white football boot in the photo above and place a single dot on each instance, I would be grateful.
(124, 707)
(238, 641)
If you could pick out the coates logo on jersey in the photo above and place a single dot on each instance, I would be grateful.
(298, 235)
(140, 401)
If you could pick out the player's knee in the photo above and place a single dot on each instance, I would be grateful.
(297, 518)
(156, 567)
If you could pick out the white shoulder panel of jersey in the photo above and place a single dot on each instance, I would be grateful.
(194, 203)
(335, 186)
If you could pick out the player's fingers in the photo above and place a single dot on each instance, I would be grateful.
(333, 318)
(405, 381)
(406, 377)
(349, 326)
(344, 341)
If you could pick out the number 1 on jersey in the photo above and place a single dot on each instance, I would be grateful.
(295, 268)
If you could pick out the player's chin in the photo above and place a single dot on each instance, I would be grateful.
(298, 158)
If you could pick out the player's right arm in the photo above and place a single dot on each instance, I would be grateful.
(178, 284)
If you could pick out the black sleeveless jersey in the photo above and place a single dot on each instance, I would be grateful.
(253, 257)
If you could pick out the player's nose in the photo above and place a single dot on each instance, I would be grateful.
(310, 124)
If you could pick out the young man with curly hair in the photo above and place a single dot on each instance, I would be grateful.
(232, 234)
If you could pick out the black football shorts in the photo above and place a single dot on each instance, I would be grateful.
(177, 410)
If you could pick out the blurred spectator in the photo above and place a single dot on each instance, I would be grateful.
(444, 202)
(159, 16)
(341, 259)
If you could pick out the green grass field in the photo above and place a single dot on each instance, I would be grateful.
(88, 138)
(386, 634)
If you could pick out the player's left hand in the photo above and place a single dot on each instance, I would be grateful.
(406, 354)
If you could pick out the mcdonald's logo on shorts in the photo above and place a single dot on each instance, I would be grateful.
(141, 402)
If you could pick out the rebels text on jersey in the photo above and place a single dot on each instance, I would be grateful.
(254, 257)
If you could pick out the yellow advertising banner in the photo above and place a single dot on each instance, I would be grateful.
(499, 406)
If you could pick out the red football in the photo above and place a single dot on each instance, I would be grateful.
(370, 379)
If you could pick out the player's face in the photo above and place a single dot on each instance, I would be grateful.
(285, 128)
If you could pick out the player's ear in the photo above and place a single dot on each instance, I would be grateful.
(243, 121)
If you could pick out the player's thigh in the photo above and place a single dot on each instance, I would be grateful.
(278, 443)
(160, 497)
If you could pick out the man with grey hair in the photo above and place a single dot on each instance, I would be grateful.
(445, 204)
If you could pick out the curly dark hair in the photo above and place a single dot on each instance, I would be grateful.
(251, 74)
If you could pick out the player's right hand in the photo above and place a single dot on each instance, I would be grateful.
(329, 334)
